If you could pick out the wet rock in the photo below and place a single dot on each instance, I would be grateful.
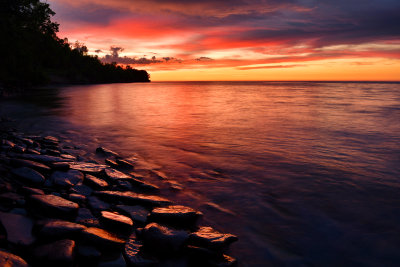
(29, 175)
(115, 175)
(116, 221)
(124, 164)
(136, 213)
(43, 158)
(96, 204)
(77, 198)
(105, 152)
(18, 149)
(30, 164)
(68, 157)
(32, 191)
(82, 190)
(111, 163)
(54, 206)
(86, 218)
(210, 238)
(18, 228)
(91, 168)
(134, 255)
(133, 198)
(19, 211)
(60, 166)
(32, 151)
(176, 215)
(117, 262)
(123, 185)
(163, 240)
(95, 182)
(59, 252)
(51, 140)
(101, 238)
(67, 179)
(10, 199)
(10, 260)
(143, 185)
(59, 228)
(223, 261)
(53, 152)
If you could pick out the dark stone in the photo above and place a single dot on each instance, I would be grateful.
(101, 238)
(32, 151)
(10, 199)
(18, 149)
(163, 240)
(115, 175)
(176, 215)
(18, 228)
(143, 185)
(136, 213)
(91, 168)
(111, 163)
(86, 218)
(124, 164)
(54, 206)
(19, 211)
(96, 204)
(10, 260)
(60, 166)
(88, 253)
(51, 140)
(77, 198)
(67, 179)
(59, 252)
(133, 198)
(123, 185)
(117, 262)
(82, 190)
(58, 228)
(210, 238)
(43, 158)
(30, 164)
(52, 152)
(29, 175)
(68, 157)
(223, 261)
(105, 152)
(116, 222)
(95, 182)
(134, 256)
(32, 191)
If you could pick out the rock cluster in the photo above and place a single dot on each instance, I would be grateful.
(56, 210)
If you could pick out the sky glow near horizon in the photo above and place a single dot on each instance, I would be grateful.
(240, 39)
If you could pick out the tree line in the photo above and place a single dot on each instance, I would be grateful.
(32, 53)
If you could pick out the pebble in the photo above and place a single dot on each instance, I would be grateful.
(29, 175)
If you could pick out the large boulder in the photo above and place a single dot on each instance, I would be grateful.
(210, 238)
(59, 228)
(175, 215)
(116, 222)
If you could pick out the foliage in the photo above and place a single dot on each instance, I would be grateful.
(32, 54)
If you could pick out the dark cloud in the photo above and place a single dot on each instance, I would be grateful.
(114, 57)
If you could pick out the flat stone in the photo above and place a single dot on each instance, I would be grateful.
(60, 166)
(51, 139)
(133, 198)
(134, 255)
(211, 238)
(102, 238)
(67, 179)
(163, 240)
(136, 213)
(43, 158)
(96, 204)
(18, 149)
(53, 205)
(123, 185)
(143, 185)
(91, 168)
(115, 175)
(111, 163)
(29, 175)
(32, 191)
(30, 164)
(116, 221)
(68, 156)
(57, 228)
(176, 215)
(59, 252)
(77, 198)
(52, 152)
(10, 260)
(95, 182)
(124, 164)
(105, 152)
(32, 151)
(18, 228)
(82, 190)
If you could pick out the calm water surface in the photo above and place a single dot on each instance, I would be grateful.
(305, 173)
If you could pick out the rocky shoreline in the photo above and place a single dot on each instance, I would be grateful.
(58, 210)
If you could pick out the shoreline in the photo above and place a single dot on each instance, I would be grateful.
(58, 209)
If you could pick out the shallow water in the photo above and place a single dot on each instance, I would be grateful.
(305, 173)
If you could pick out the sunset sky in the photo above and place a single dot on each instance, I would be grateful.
(240, 39)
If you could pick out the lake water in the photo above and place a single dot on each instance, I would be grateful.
(305, 173)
